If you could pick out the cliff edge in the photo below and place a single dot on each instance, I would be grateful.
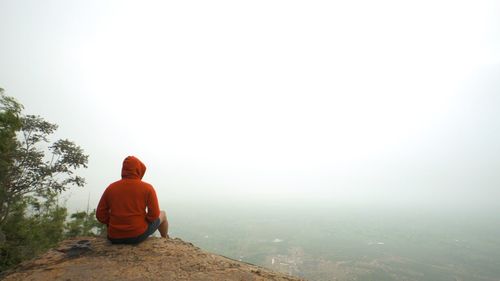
(94, 258)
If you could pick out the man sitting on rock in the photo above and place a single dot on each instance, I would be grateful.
(123, 207)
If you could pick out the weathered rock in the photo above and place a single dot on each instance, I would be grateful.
(94, 258)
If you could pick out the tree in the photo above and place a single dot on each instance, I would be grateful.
(10, 123)
(28, 171)
(33, 172)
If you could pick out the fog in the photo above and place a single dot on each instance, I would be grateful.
(359, 103)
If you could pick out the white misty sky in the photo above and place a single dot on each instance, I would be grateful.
(348, 101)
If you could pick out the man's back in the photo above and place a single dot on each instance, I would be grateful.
(123, 205)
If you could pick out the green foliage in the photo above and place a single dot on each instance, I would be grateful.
(10, 123)
(34, 167)
(33, 172)
(30, 229)
(84, 224)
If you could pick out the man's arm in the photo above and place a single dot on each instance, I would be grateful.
(102, 212)
(153, 207)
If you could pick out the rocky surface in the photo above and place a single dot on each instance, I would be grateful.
(94, 258)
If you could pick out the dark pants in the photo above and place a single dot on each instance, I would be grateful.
(152, 227)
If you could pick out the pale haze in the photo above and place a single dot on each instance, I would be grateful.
(355, 102)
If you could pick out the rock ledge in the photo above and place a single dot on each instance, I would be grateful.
(94, 258)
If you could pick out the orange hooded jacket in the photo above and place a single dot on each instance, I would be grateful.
(123, 204)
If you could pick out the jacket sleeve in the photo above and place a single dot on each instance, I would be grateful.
(153, 207)
(102, 212)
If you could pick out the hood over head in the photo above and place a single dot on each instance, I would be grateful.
(133, 168)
